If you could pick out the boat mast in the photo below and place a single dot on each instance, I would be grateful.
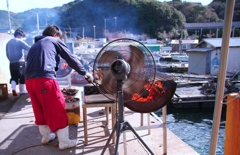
(222, 74)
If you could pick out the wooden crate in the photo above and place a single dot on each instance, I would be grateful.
(3, 91)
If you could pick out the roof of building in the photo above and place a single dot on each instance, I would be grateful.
(199, 50)
(186, 41)
(211, 25)
(217, 42)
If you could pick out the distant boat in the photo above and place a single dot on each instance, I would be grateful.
(165, 55)
(156, 57)
(177, 67)
(180, 57)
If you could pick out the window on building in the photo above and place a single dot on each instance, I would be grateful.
(186, 46)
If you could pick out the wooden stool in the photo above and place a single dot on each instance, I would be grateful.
(98, 100)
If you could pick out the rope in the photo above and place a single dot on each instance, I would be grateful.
(55, 144)
(236, 97)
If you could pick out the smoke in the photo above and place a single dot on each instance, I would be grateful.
(105, 15)
(35, 20)
(77, 18)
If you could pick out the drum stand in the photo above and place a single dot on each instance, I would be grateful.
(122, 125)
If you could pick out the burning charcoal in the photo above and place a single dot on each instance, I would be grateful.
(160, 89)
(69, 91)
(71, 100)
(145, 93)
(160, 93)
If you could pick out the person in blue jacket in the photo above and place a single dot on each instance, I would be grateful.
(48, 102)
(15, 55)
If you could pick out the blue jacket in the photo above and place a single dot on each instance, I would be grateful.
(43, 57)
(14, 49)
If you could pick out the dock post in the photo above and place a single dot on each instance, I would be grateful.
(232, 140)
(164, 116)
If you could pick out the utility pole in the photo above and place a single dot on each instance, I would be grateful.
(180, 42)
(70, 32)
(94, 35)
(9, 20)
(37, 25)
(105, 24)
(83, 33)
(105, 20)
(115, 23)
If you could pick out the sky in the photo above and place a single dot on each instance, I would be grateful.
(24, 5)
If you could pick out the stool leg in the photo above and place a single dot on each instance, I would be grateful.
(85, 125)
(107, 113)
(149, 132)
(141, 121)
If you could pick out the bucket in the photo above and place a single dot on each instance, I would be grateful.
(73, 110)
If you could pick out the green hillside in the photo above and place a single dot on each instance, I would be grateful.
(149, 18)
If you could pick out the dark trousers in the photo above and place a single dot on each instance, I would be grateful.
(17, 72)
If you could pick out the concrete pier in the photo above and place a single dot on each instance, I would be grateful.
(20, 136)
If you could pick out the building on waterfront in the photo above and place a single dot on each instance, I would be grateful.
(183, 44)
(217, 26)
(205, 58)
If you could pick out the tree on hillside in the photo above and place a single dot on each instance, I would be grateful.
(157, 17)
(149, 17)
(106, 14)
(38, 18)
(3, 21)
(219, 6)
(236, 15)
(195, 13)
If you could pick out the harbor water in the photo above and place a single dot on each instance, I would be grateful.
(194, 127)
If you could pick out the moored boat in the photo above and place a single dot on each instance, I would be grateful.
(180, 57)
(165, 55)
